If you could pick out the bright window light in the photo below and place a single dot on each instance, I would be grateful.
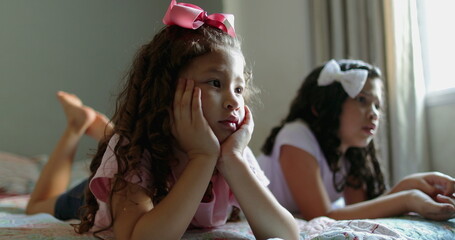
(439, 44)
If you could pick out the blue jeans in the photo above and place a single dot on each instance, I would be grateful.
(68, 204)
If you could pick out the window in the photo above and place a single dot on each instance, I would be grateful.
(437, 19)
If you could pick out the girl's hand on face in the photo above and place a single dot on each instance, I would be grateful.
(189, 126)
(431, 183)
(234, 145)
(440, 210)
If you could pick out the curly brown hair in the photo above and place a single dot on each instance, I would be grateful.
(327, 102)
(142, 118)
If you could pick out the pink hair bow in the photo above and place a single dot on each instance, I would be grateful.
(192, 17)
(352, 80)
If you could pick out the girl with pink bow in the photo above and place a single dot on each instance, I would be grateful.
(175, 155)
(322, 161)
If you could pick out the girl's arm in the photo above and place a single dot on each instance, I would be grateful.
(303, 178)
(353, 195)
(135, 217)
(302, 174)
(267, 218)
(397, 204)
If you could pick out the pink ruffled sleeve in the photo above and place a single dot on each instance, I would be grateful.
(101, 183)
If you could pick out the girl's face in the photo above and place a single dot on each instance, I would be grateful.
(360, 116)
(220, 76)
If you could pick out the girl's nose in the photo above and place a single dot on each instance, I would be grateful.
(374, 113)
(231, 102)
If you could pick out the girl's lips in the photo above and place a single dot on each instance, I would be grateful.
(370, 130)
(230, 125)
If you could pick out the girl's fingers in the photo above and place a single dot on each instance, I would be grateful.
(187, 99)
(450, 188)
(173, 127)
(444, 183)
(197, 105)
(448, 206)
(428, 188)
(178, 97)
(445, 199)
(246, 128)
(248, 121)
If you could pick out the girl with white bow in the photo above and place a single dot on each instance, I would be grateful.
(322, 161)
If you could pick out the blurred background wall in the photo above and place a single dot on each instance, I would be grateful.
(85, 47)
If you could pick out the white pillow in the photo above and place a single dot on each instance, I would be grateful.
(18, 174)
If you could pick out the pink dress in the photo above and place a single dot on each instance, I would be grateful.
(208, 214)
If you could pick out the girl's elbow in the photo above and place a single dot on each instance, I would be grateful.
(294, 231)
(291, 230)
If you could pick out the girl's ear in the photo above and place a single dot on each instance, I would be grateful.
(313, 110)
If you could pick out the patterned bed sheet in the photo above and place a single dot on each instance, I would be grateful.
(14, 224)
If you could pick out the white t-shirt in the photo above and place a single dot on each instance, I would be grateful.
(299, 135)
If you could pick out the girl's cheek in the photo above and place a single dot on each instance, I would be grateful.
(242, 113)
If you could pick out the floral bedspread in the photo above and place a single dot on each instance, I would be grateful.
(14, 224)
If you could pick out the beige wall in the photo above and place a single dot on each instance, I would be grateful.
(83, 47)
(274, 44)
(52, 45)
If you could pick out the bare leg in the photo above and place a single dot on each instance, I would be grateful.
(56, 174)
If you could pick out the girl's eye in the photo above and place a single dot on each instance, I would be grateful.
(215, 83)
(239, 90)
(361, 99)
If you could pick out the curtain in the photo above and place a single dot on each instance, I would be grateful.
(385, 34)
(406, 89)
(347, 29)
(351, 29)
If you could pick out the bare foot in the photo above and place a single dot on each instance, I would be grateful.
(100, 127)
(83, 119)
(79, 117)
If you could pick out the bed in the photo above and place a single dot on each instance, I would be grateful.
(18, 175)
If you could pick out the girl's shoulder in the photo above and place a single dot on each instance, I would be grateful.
(297, 125)
(100, 184)
(296, 131)
(298, 134)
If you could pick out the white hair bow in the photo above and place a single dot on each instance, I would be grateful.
(352, 80)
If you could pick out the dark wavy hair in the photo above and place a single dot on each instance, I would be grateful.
(144, 107)
(327, 101)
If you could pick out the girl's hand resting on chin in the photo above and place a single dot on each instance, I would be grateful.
(189, 127)
(235, 144)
